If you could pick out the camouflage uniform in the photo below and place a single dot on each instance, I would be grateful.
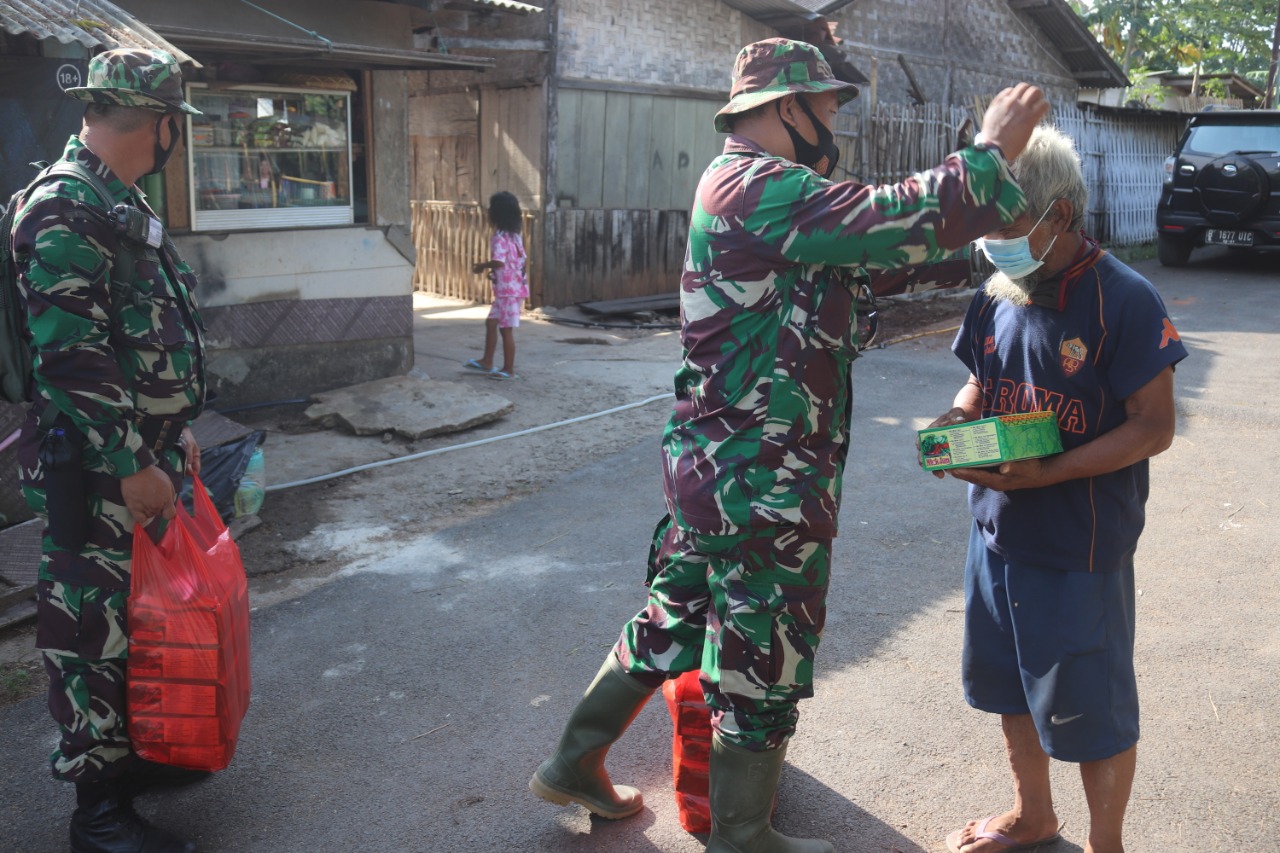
(755, 449)
(115, 371)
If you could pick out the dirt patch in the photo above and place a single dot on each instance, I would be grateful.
(908, 319)
(21, 680)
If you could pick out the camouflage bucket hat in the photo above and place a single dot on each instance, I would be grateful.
(769, 69)
(132, 77)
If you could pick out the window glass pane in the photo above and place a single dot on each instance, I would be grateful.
(270, 151)
(1225, 139)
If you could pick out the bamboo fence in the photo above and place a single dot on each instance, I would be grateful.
(450, 237)
(1123, 158)
(1122, 155)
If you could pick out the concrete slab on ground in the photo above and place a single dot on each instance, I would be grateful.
(409, 406)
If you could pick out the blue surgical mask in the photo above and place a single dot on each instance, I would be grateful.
(1013, 257)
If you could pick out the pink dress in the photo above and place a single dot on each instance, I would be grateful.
(509, 282)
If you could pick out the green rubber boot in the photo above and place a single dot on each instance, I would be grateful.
(576, 774)
(742, 786)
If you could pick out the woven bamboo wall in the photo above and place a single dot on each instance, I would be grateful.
(450, 237)
(1124, 167)
(895, 140)
(1123, 156)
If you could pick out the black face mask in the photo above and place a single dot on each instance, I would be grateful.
(175, 136)
(822, 156)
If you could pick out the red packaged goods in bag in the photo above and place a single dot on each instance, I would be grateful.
(691, 750)
(153, 661)
(222, 556)
(187, 675)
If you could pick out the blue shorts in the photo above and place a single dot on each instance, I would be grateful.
(1053, 644)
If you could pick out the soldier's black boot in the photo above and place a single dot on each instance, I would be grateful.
(575, 773)
(105, 822)
(742, 786)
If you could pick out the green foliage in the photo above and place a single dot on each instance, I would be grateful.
(1214, 88)
(1217, 35)
(1148, 91)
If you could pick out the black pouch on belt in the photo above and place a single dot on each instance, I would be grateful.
(68, 510)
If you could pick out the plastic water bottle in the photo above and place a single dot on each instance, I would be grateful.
(252, 488)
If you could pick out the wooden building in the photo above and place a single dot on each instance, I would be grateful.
(290, 197)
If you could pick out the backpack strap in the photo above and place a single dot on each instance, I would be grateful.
(122, 270)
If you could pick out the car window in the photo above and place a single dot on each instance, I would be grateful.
(1226, 138)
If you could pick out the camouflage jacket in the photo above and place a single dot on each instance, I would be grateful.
(760, 428)
(98, 370)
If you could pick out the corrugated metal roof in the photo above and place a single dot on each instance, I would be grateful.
(819, 6)
(470, 5)
(512, 6)
(768, 11)
(1089, 62)
(92, 23)
(255, 47)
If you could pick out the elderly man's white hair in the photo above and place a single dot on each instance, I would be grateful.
(1049, 169)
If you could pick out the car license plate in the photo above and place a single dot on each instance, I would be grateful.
(1228, 238)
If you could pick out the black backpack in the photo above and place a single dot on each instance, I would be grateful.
(15, 340)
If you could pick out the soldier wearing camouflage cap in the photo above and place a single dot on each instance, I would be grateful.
(754, 453)
(118, 376)
(130, 77)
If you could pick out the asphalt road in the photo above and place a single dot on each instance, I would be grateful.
(404, 705)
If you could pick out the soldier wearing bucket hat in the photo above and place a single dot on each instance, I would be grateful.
(770, 70)
(755, 449)
(130, 77)
(119, 372)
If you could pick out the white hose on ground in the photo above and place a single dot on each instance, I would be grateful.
(425, 453)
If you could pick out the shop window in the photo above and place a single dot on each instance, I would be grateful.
(269, 158)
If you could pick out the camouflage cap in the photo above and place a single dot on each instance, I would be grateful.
(133, 77)
(769, 69)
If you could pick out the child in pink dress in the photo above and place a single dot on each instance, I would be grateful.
(510, 286)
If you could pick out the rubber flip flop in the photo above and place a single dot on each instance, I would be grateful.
(502, 375)
(1007, 843)
(475, 365)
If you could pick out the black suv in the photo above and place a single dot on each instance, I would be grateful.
(1222, 185)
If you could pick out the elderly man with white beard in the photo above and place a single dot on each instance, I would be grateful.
(1049, 580)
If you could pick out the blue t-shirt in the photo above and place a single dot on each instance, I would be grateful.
(1111, 338)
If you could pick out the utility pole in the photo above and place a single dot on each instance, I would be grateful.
(1269, 100)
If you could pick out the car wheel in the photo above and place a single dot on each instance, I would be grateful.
(1172, 251)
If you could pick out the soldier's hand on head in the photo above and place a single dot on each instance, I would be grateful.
(147, 494)
(1011, 117)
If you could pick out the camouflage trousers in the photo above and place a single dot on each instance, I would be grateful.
(81, 631)
(747, 609)
(81, 617)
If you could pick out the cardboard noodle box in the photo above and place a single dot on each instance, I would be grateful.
(989, 441)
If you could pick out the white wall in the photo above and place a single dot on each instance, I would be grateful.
(327, 263)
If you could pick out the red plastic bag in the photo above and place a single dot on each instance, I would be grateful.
(223, 564)
(187, 675)
(690, 750)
